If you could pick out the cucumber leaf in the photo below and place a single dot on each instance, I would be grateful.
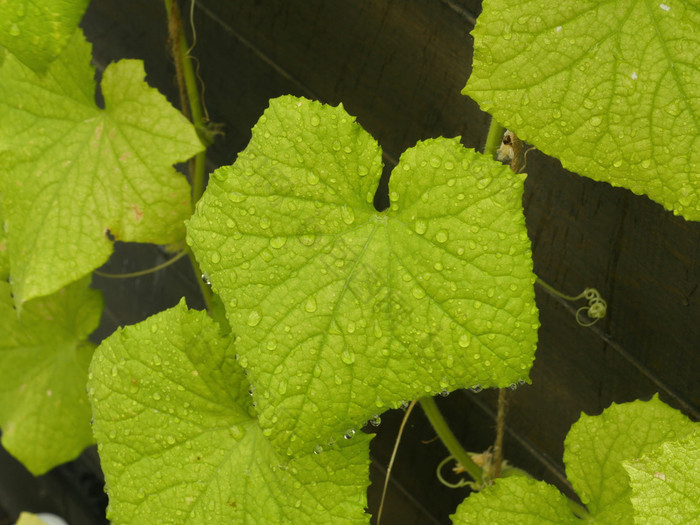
(342, 311)
(666, 483)
(44, 357)
(179, 442)
(36, 31)
(75, 177)
(609, 88)
(597, 447)
(518, 500)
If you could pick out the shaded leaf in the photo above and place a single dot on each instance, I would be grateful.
(76, 174)
(44, 357)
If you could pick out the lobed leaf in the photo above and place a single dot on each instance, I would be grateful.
(609, 88)
(178, 443)
(341, 311)
(44, 357)
(597, 447)
(76, 177)
(518, 500)
(36, 31)
(666, 483)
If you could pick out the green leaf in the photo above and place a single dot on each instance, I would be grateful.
(515, 500)
(4, 256)
(597, 446)
(178, 444)
(76, 174)
(666, 483)
(342, 311)
(44, 357)
(36, 31)
(609, 88)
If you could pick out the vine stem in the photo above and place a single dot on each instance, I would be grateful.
(191, 104)
(500, 430)
(494, 138)
(449, 440)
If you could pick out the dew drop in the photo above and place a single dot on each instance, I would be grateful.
(264, 223)
(282, 388)
(421, 227)
(377, 329)
(278, 242)
(435, 162)
(315, 121)
(464, 340)
(442, 236)
(312, 178)
(347, 356)
(307, 240)
(254, 318)
(235, 196)
(418, 292)
(310, 305)
(215, 257)
(351, 327)
(348, 215)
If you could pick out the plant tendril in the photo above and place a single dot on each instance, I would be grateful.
(167, 263)
(597, 306)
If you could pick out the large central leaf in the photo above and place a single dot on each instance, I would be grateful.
(610, 88)
(342, 311)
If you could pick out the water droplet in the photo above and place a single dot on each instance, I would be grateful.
(156, 396)
(14, 30)
(235, 196)
(476, 389)
(349, 434)
(215, 257)
(254, 318)
(418, 292)
(347, 214)
(377, 329)
(310, 305)
(312, 178)
(307, 240)
(442, 236)
(264, 223)
(464, 340)
(278, 242)
(282, 388)
(315, 121)
(421, 227)
(170, 440)
(347, 356)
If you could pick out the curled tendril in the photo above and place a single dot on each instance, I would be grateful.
(438, 472)
(596, 309)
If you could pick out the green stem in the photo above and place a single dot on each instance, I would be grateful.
(192, 107)
(448, 438)
(494, 138)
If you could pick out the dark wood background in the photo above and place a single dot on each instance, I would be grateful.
(399, 67)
